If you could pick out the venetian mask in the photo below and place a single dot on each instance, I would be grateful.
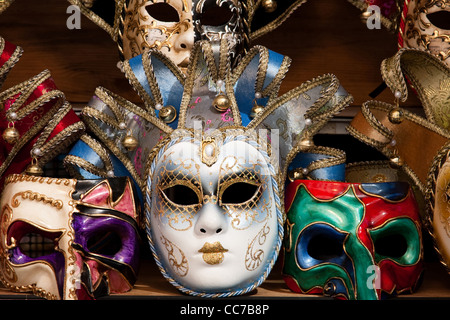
(352, 241)
(426, 27)
(211, 174)
(214, 220)
(67, 239)
(172, 26)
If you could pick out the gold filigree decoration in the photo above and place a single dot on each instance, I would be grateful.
(185, 173)
(176, 258)
(255, 255)
(35, 196)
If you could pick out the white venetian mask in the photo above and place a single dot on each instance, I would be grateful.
(213, 213)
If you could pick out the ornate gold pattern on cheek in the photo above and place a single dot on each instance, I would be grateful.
(34, 196)
(176, 258)
(255, 255)
(185, 173)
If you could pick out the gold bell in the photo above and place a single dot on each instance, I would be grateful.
(255, 110)
(269, 5)
(306, 144)
(395, 162)
(167, 114)
(395, 116)
(365, 16)
(295, 174)
(130, 142)
(221, 103)
(11, 134)
(34, 169)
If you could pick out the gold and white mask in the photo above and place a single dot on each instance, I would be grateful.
(213, 172)
(163, 25)
(427, 27)
(214, 211)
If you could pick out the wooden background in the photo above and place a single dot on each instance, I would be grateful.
(322, 36)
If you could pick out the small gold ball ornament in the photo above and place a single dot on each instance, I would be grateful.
(130, 142)
(396, 162)
(269, 5)
(255, 110)
(396, 116)
(221, 103)
(11, 135)
(167, 114)
(365, 16)
(306, 144)
(34, 169)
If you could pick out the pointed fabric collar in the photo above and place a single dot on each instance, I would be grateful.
(296, 115)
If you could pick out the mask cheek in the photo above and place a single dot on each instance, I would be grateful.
(23, 252)
(110, 250)
(398, 254)
(322, 260)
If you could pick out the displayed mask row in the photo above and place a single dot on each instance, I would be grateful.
(218, 172)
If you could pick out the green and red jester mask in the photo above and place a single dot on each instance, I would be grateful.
(352, 241)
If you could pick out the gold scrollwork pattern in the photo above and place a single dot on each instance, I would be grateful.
(35, 196)
(255, 255)
(176, 257)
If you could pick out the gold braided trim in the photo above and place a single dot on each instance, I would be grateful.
(199, 51)
(275, 23)
(117, 105)
(383, 145)
(430, 199)
(111, 30)
(335, 157)
(13, 59)
(150, 100)
(47, 123)
(429, 76)
(272, 88)
(71, 161)
(4, 4)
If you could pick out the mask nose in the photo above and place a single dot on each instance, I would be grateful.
(185, 40)
(211, 221)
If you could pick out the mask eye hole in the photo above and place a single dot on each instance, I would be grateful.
(393, 246)
(105, 243)
(35, 245)
(239, 193)
(216, 16)
(324, 247)
(181, 195)
(163, 12)
(440, 19)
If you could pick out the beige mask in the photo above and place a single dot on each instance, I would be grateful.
(162, 25)
(427, 27)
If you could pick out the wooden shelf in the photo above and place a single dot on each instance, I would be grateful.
(152, 285)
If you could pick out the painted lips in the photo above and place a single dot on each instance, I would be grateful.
(213, 252)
